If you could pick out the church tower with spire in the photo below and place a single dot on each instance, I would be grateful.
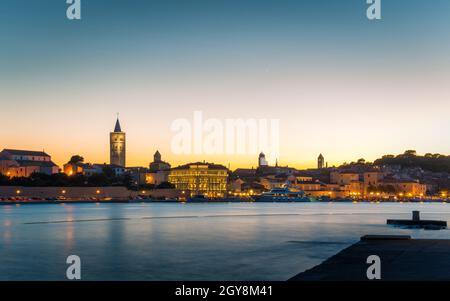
(117, 146)
(320, 162)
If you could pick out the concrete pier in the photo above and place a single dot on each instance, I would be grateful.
(416, 222)
(402, 259)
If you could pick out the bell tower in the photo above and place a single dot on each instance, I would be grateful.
(117, 146)
(320, 161)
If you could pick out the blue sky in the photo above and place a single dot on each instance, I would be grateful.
(319, 65)
(161, 34)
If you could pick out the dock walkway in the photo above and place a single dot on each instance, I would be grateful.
(402, 259)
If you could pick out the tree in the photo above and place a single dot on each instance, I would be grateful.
(410, 153)
(108, 171)
(165, 185)
(99, 180)
(429, 162)
(76, 159)
(4, 180)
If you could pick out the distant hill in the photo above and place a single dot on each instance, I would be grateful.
(430, 162)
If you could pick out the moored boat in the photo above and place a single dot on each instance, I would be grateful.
(282, 195)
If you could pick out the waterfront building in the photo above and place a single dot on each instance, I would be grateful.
(89, 169)
(116, 170)
(157, 178)
(71, 169)
(138, 175)
(307, 185)
(85, 169)
(320, 162)
(23, 163)
(344, 177)
(236, 185)
(356, 188)
(275, 170)
(372, 179)
(4, 165)
(117, 143)
(252, 188)
(376, 181)
(200, 178)
(271, 182)
(158, 171)
(244, 172)
(404, 187)
(303, 178)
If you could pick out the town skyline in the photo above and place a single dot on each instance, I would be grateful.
(310, 163)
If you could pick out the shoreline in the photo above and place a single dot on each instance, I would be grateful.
(173, 201)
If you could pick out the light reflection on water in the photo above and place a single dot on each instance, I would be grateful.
(190, 241)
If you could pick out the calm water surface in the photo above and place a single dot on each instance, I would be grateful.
(236, 241)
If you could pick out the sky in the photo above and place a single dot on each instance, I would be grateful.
(339, 84)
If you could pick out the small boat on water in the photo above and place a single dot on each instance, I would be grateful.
(282, 195)
(199, 198)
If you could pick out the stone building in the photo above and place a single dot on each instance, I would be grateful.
(23, 163)
(158, 170)
(158, 164)
(117, 144)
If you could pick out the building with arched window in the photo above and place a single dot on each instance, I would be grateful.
(197, 178)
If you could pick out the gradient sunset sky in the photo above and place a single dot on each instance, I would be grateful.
(340, 84)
